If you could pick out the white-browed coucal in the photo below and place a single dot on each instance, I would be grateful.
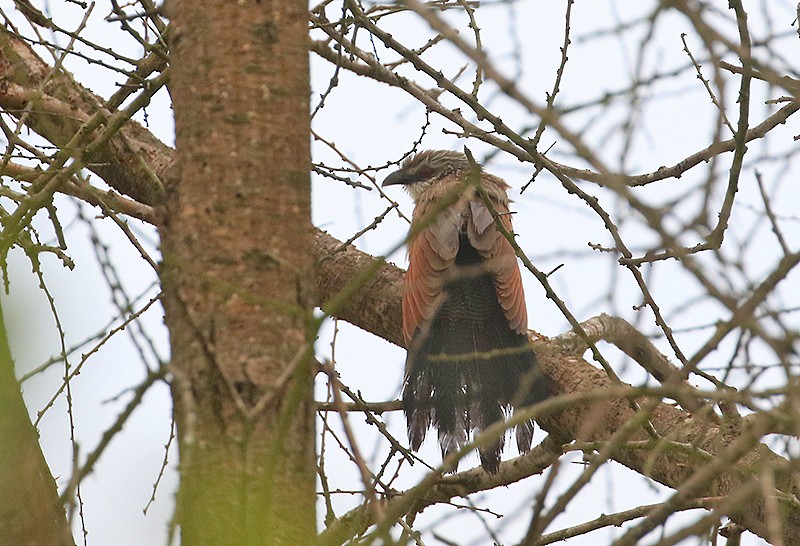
(465, 322)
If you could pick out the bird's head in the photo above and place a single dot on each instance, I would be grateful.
(418, 172)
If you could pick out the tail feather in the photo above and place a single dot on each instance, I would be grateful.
(524, 435)
(462, 398)
(418, 406)
(467, 369)
(492, 408)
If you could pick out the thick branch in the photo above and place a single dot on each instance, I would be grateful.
(55, 106)
(375, 306)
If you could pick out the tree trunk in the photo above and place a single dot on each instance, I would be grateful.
(31, 513)
(237, 272)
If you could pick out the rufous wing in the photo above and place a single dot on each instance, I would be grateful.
(431, 252)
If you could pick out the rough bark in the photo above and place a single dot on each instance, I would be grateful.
(357, 288)
(237, 272)
(30, 511)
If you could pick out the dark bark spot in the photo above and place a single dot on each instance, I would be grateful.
(266, 32)
(261, 259)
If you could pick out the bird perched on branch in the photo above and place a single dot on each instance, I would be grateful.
(465, 322)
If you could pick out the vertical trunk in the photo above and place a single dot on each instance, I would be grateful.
(30, 511)
(237, 271)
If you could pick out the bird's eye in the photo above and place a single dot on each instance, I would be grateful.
(425, 173)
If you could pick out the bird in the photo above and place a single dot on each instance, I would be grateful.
(469, 362)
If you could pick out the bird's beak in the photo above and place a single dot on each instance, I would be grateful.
(397, 178)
